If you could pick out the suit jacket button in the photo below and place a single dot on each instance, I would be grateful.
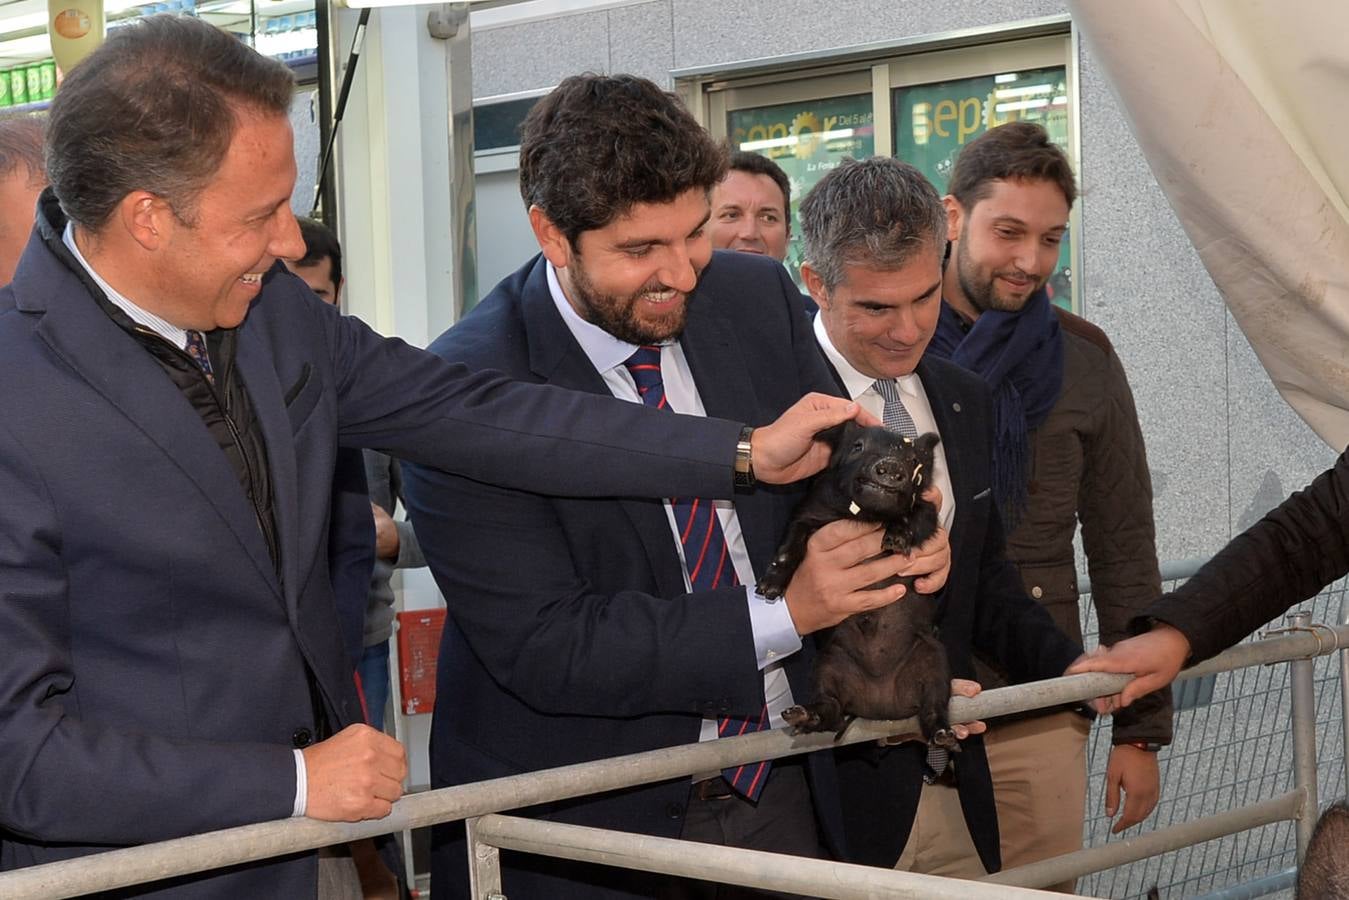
(955, 406)
(674, 810)
(1037, 592)
(302, 738)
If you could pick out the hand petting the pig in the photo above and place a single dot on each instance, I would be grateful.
(932, 560)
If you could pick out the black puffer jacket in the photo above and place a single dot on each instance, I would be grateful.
(1088, 464)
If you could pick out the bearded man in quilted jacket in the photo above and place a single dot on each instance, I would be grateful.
(1068, 449)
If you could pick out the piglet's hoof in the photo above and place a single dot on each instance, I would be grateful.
(946, 739)
(771, 587)
(801, 719)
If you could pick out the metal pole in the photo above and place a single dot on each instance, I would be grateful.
(450, 23)
(732, 865)
(1250, 890)
(484, 865)
(1344, 687)
(353, 57)
(1116, 853)
(1303, 693)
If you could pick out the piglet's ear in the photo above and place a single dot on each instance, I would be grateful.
(840, 435)
(927, 441)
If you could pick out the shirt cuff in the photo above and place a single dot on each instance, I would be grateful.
(775, 636)
(301, 785)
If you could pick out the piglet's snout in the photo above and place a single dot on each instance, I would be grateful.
(889, 472)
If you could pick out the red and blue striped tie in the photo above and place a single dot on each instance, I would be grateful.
(707, 560)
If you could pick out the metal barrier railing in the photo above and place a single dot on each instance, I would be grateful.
(1232, 746)
(198, 853)
(728, 865)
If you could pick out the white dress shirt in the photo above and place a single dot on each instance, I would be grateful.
(862, 388)
(178, 337)
(775, 636)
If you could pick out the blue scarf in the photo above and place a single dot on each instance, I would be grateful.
(1020, 355)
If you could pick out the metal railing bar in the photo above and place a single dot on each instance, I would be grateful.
(1172, 570)
(1302, 692)
(1095, 859)
(1260, 887)
(198, 853)
(730, 865)
(1323, 641)
(1344, 686)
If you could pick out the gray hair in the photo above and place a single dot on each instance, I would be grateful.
(877, 212)
(21, 146)
(154, 109)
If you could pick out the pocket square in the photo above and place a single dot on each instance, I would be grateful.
(982, 494)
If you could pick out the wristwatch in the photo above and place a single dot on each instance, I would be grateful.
(744, 459)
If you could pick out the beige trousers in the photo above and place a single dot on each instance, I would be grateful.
(939, 843)
(1039, 769)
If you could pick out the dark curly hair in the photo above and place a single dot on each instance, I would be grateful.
(1011, 152)
(600, 144)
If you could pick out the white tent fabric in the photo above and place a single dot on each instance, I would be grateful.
(1242, 110)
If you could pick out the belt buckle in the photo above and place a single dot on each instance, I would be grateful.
(713, 789)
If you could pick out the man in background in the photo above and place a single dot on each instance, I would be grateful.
(752, 210)
(22, 178)
(321, 265)
(1068, 449)
(752, 207)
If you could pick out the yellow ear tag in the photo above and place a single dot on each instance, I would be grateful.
(854, 508)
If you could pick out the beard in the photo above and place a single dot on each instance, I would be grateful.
(982, 289)
(619, 316)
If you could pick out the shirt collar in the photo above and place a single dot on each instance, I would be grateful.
(855, 382)
(604, 351)
(169, 332)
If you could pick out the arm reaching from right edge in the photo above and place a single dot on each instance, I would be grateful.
(1288, 556)
(1154, 658)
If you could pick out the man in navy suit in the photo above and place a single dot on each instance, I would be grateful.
(170, 660)
(585, 629)
(875, 232)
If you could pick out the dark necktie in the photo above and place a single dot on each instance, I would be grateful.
(897, 418)
(196, 348)
(707, 560)
(894, 416)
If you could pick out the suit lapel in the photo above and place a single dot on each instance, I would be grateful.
(958, 439)
(556, 357)
(255, 365)
(119, 369)
(717, 361)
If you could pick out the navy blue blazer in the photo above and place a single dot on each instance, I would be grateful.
(571, 635)
(152, 659)
(983, 607)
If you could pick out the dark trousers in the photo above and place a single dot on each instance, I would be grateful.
(783, 821)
